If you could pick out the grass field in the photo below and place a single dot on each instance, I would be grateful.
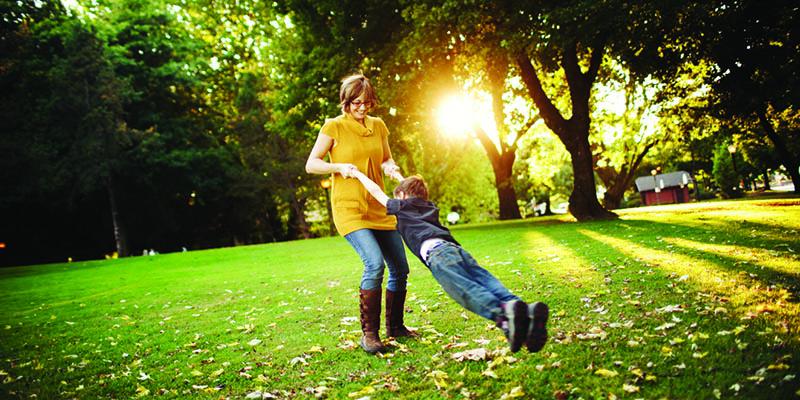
(691, 301)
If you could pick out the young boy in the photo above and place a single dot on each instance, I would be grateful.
(457, 272)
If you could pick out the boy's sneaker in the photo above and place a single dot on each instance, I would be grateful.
(537, 329)
(516, 312)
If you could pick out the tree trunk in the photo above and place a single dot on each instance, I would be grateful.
(297, 217)
(507, 197)
(583, 204)
(612, 199)
(766, 180)
(547, 210)
(502, 159)
(574, 133)
(787, 159)
(300, 224)
(120, 236)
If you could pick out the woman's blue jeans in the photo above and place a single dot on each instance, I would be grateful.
(374, 247)
(475, 288)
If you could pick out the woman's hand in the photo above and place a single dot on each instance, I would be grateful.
(346, 170)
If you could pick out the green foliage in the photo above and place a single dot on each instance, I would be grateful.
(199, 115)
(725, 175)
(543, 170)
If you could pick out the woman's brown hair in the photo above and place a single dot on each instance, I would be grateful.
(352, 87)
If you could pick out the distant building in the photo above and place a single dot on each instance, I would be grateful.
(664, 188)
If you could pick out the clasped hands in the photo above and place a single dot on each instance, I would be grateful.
(390, 169)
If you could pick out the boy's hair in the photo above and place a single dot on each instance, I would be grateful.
(352, 87)
(413, 186)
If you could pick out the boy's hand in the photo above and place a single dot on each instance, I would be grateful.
(396, 176)
(347, 170)
(392, 170)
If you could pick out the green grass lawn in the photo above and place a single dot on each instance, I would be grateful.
(690, 301)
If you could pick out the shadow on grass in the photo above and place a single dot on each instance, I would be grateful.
(631, 290)
(677, 237)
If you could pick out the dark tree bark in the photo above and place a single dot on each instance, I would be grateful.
(120, 234)
(573, 132)
(787, 159)
(547, 210)
(298, 223)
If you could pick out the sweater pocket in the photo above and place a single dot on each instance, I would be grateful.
(350, 207)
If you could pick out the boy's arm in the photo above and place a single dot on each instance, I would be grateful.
(372, 188)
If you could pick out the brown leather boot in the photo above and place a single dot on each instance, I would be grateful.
(395, 303)
(371, 320)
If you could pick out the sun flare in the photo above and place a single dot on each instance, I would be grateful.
(458, 115)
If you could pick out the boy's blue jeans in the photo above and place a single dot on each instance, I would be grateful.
(375, 246)
(475, 288)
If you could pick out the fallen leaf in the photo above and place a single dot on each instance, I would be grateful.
(300, 360)
(514, 393)
(364, 391)
(666, 326)
(474, 355)
(142, 391)
(439, 378)
(780, 366)
(606, 373)
(630, 388)
(488, 372)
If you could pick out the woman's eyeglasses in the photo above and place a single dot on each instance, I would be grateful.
(358, 103)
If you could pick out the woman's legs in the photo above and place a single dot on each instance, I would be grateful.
(394, 253)
(366, 245)
(374, 247)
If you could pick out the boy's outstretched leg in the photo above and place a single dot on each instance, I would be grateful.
(537, 331)
(516, 313)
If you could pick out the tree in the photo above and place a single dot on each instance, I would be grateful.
(544, 171)
(465, 47)
(562, 41)
(752, 48)
(622, 138)
(62, 75)
(724, 172)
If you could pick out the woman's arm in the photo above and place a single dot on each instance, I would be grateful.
(316, 165)
(372, 187)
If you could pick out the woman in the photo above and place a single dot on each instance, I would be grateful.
(357, 142)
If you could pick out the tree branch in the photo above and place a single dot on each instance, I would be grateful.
(497, 71)
(488, 145)
(575, 78)
(552, 117)
(594, 63)
(521, 133)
